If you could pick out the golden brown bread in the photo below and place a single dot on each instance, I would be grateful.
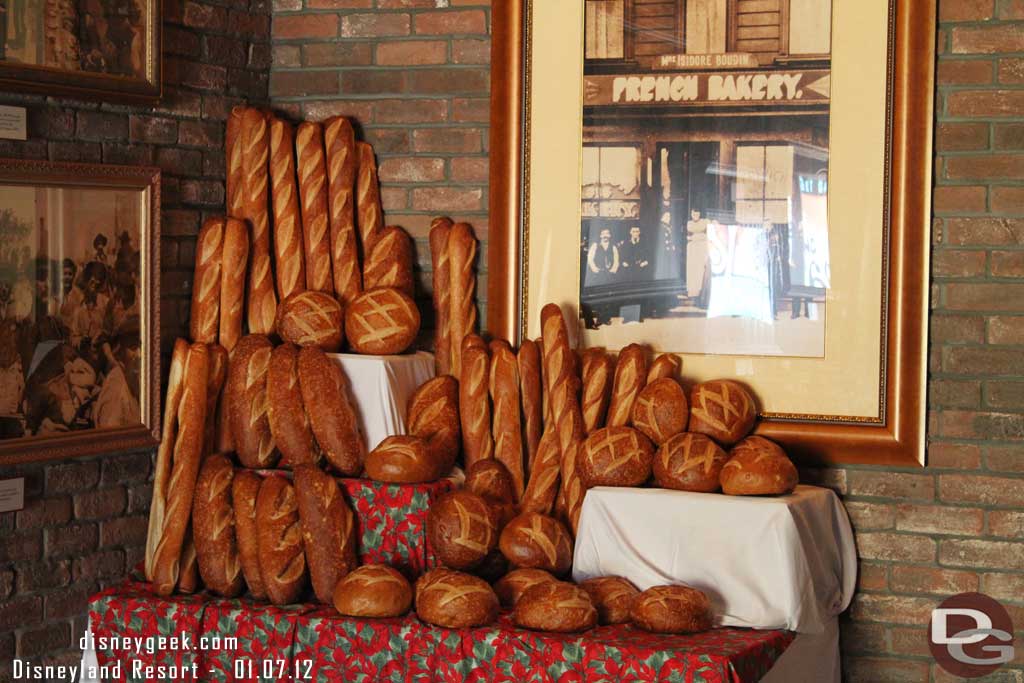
(371, 213)
(325, 397)
(452, 599)
(328, 529)
(545, 475)
(598, 370)
(405, 460)
(279, 538)
(511, 587)
(616, 456)
(234, 266)
(661, 410)
(462, 529)
(213, 523)
(374, 591)
(204, 316)
(490, 480)
(289, 424)
(432, 414)
(188, 575)
(342, 165)
(214, 389)
(244, 489)
(689, 462)
(289, 257)
(461, 289)
(311, 318)
(758, 467)
(630, 376)
(440, 229)
(247, 402)
(537, 541)
(531, 394)
(316, 241)
(672, 609)
(507, 416)
(475, 404)
(555, 606)
(613, 596)
(235, 173)
(382, 322)
(722, 409)
(665, 365)
(389, 263)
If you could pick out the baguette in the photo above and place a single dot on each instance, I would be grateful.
(312, 171)
(213, 521)
(328, 529)
(598, 371)
(234, 264)
(630, 378)
(289, 423)
(440, 229)
(665, 365)
(247, 402)
(342, 167)
(371, 213)
(532, 396)
(288, 244)
(244, 489)
(235, 175)
(507, 425)
(389, 264)
(544, 476)
(204, 315)
(462, 290)
(474, 405)
(188, 576)
(214, 390)
(279, 538)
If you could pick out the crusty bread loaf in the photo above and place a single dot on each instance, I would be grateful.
(289, 252)
(462, 529)
(235, 173)
(722, 409)
(234, 266)
(214, 390)
(511, 587)
(598, 371)
(188, 576)
(204, 316)
(389, 263)
(758, 467)
(490, 480)
(452, 599)
(289, 424)
(432, 414)
(213, 523)
(316, 239)
(630, 376)
(244, 489)
(689, 462)
(665, 365)
(368, 206)
(328, 529)
(616, 456)
(672, 609)
(475, 404)
(247, 402)
(405, 460)
(325, 396)
(374, 591)
(531, 393)
(661, 410)
(507, 416)
(440, 229)
(311, 318)
(613, 596)
(555, 606)
(382, 322)
(279, 536)
(342, 165)
(545, 475)
(537, 541)
(461, 289)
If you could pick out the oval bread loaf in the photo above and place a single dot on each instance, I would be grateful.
(281, 557)
(689, 462)
(616, 456)
(672, 609)
(613, 596)
(213, 526)
(311, 318)
(326, 401)
(452, 599)
(289, 424)
(490, 480)
(405, 460)
(661, 410)
(462, 529)
(555, 606)
(537, 541)
(433, 415)
(722, 409)
(247, 402)
(373, 590)
(758, 467)
(328, 529)
(511, 587)
(244, 490)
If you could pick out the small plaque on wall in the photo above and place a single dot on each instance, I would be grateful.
(12, 494)
(12, 123)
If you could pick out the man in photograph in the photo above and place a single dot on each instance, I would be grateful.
(635, 260)
(602, 259)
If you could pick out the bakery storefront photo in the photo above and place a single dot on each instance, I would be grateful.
(511, 340)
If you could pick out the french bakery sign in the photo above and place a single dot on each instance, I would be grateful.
(754, 88)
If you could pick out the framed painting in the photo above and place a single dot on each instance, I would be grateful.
(79, 308)
(746, 183)
(97, 49)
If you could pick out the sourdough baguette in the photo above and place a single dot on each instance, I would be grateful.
(188, 575)
(247, 402)
(598, 369)
(544, 476)
(342, 167)
(665, 365)
(279, 537)
(289, 258)
(244, 489)
(368, 206)
(234, 265)
(204, 315)
(440, 229)
(389, 263)
(214, 390)
(328, 529)
(474, 404)
(312, 172)
(332, 418)
(461, 289)
(630, 378)
(507, 419)
(532, 396)
(289, 424)
(213, 523)
(235, 175)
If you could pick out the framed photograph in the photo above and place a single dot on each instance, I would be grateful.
(746, 183)
(79, 307)
(97, 49)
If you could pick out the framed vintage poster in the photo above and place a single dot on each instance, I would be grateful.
(746, 183)
(97, 49)
(79, 305)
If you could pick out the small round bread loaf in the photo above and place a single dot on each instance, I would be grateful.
(722, 409)
(672, 609)
(490, 479)
(405, 460)
(373, 590)
(512, 586)
(689, 462)
(445, 597)
(311, 318)
(462, 529)
(555, 606)
(537, 541)
(382, 322)
(661, 411)
(432, 414)
(613, 596)
(758, 467)
(616, 456)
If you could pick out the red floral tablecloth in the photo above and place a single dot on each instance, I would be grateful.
(311, 642)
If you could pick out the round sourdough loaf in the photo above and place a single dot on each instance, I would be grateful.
(382, 322)
(615, 456)
(758, 467)
(445, 597)
(311, 318)
(613, 596)
(689, 462)
(537, 541)
(405, 460)
(462, 529)
(491, 480)
(722, 409)
(555, 606)
(373, 590)
(660, 410)
(512, 586)
(432, 414)
(672, 609)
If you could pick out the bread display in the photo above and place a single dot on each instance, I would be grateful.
(598, 372)
(545, 475)
(613, 597)
(328, 529)
(445, 597)
(433, 415)
(382, 322)
(332, 418)
(661, 410)
(722, 409)
(389, 263)
(234, 265)
(247, 402)
(279, 539)
(758, 467)
(555, 606)
(537, 541)
(462, 529)
(213, 525)
(289, 251)
(461, 290)
(405, 460)
(373, 591)
(311, 318)
(511, 587)
(507, 414)
(665, 365)
(342, 165)
(630, 376)
(368, 206)
(245, 488)
(672, 609)
(616, 456)
(490, 480)
(531, 394)
(440, 267)
(289, 423)
(475, 403)
(689, 462)
(214, 388)
(316, 241)
(204, 317)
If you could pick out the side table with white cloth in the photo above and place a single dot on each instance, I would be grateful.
(786, 562)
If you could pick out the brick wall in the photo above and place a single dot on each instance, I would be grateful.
(84, 522)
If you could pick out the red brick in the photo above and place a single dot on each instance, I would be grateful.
(965, 10)
(932, 580)
(337, 54)
(447, 199)
(903, 486)
(6, 583)
(872, 577)
(139, 498)
(985, 231)
(1004, 395)
(875, 669)
(891, 608)
(289, 26)
(394, 199)
(981, 553)
(968, 296)
(412, 52)
(1011, 70)
(985, 103)
(107, 564)
(68, 603)
(1003, 586)
(973, 167)
(1005, 330)
(40, 512)
(411, 170)
(288, 55)
(987, 39)
(1008, 200)
(829, 478)
(44, 640)
(965, 71)
(154, 129)
(935, 519)
(43, 576)
(471, 109)
(21, 547)
(20, 612)
(910, 642)
(1004, 458)
(954, 456)
(448, 140)
(127, 155)
(372, 81)
(958, 263)
(181, 162)
(948, 393)
(124, 531)
(985, 490)
(201, 134)
(378, 24)
(471, 51)
(199, 15)
(445, 81)
(469, 170)
(303, 83)
(339, 4)
(1011, 9)
(100, 504)
(199, 75)
(951, 199)
(870, 516)
(129, 468)
(886, 546)
(981, 360)
(865, 638)
(72, 477)
(410, 111)
(318, 111)
(72, 539)
(388, 140)
(1009, 136)
(451, 22)
(402, 4)
(1006, 523)
(957, 328)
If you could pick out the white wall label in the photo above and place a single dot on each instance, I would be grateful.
(12, 494)
(12, 123)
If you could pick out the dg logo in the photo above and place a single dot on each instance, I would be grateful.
(971, 635)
